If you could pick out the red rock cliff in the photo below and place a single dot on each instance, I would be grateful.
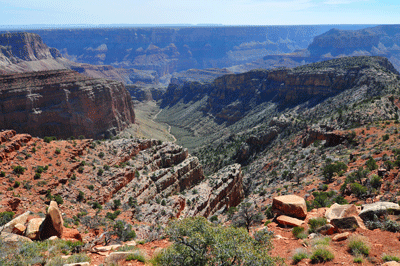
(63, 103)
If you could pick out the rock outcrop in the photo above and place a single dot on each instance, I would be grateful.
(64, 103)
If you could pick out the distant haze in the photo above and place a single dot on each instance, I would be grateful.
(89, 13)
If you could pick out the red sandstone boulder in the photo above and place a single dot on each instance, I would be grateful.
(291, 205)
(53, 223)
(289, 221)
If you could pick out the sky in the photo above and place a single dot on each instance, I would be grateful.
(226, 12)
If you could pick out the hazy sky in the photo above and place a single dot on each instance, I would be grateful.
(227, 12)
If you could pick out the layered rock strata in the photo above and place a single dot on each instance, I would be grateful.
(64, 103)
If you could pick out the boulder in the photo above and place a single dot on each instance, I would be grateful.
(391, 263)
(19, 229)
(378, 208)
(327, 229)
(337, 211)
(8, 227)
(289, 221)
(348, 223)
(33, 228)
(341, 237)
(53, 223)
(291, 205)
(9, 240)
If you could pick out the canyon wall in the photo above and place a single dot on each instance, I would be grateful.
(64, 103)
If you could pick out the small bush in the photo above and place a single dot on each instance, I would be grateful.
(137, 255)
(371, 164)
(358, 259)
(2, 174)
(298, 232)
(321, 241)
(386, 257)
(96, 205)
(49, 139)
(316, 222)
(17, 184)
(80, 169)
(58, 151)
(114, 215)
(358, 190)
(90, 187)
(81, 196)
(299, 255)
(321, 254)
(5, 217)
(19, 170)
(37, 176)
(58, 199)
(376, 181)
(101, 154)
(358, 245)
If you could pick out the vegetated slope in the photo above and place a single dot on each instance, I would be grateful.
(64, 103)
(200, 113)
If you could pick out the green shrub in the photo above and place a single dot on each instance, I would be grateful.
(49, 139)
(101, 154)
(387, 257)
(299, 255)
(137, 255)
(371, 164)
(298, 232)
(321, 241)
(5, 217)
(81, 196)
(376, 181)
(37, 176)
(58, 151)
(58, 199)
(19, 170)
(385, 137)
(2, 174)
(123, 231)
(358, 245)
(358, 259)
(100, 172)
(199, 242)
(358, 190)
(113, 215)
(321, 254)
(316, 223)
(96, 205)
(106, 167)
(214, 218)
(90, 187)
(17, 184)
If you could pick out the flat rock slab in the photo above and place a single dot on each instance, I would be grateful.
(289, 221)
(337, 211)
(341, 237)
(291, 205)
(106, 248)
(378, 208)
